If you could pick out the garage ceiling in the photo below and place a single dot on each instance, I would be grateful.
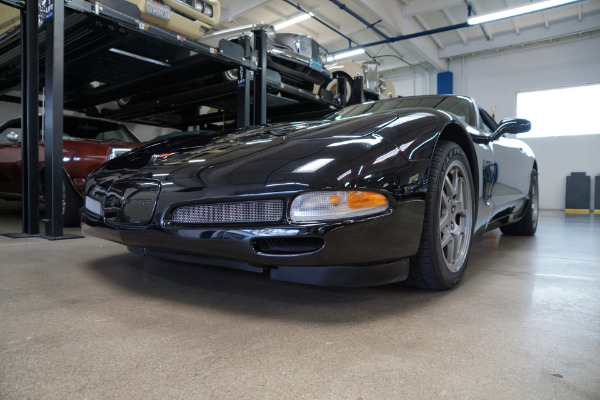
(395, 18)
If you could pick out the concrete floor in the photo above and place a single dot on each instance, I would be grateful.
(85, 319)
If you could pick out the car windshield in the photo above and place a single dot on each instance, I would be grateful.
(461, 107)
(79, 128)
(83, 128)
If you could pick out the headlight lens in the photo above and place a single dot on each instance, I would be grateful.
(115, 152)
(270, 32)
(93, 205)
(208, 10)
(323, 58)
(199, 5)
(334, 205)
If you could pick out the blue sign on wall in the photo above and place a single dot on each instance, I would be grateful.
(444, 83)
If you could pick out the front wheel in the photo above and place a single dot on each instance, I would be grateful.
(448, 223)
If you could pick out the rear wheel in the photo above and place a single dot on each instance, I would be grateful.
(448, 224)
(527, 225)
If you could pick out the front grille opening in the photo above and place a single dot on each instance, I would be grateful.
(279, 245)
(230, 213)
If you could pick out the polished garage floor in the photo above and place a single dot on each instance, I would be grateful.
(84, 319)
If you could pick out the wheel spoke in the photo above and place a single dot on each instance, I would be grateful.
(446, 237)
(449, 188)
(459, 208)
(445, 199)
(451, 249)
(444, 220)
(460, 184)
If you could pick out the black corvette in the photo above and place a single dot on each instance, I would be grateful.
(376, 193)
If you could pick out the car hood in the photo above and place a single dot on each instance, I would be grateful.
(354, 152)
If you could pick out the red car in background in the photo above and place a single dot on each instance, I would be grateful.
(87, 144)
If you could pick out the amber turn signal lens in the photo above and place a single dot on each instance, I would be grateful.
(359, 199)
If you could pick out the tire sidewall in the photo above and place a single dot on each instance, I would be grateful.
(534, 196)
(446, 276)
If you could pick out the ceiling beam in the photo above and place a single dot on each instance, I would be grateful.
(426, 26)
(424, 7)
(487, 31)
(513, 20)
(231, 9)
(453, 21)
(422, 48)
(556, 30)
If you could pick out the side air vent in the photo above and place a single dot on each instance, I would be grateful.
(293, 245)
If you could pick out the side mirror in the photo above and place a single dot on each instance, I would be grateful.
(13, 137)
(511, 125)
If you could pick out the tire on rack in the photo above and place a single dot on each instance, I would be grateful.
(331, 86)
(448, 223)
(527, 225)
(71, 204)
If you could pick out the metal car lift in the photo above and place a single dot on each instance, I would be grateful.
(82, 37)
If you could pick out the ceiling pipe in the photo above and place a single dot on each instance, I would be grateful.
(471, 11)
(406, 37)
(343, 7)
(387, 39)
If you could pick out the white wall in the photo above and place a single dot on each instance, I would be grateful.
(411, 82)
(557, 157)
(495, 78)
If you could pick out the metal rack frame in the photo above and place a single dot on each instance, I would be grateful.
(111, 35)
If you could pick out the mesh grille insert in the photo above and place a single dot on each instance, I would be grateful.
(219, 213)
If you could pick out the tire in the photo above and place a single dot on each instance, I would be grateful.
(448, 223)
(527, 225)
(331, 86)
(230, 75)
(124, 101)
(71, 204)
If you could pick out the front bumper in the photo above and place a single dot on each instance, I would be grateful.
(364, 252)
(297, 67)
(182, 24)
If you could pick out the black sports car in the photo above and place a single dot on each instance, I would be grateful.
(376, 193)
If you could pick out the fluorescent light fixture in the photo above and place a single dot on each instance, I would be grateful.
(345, 54)
(513, 12)
(295, 20)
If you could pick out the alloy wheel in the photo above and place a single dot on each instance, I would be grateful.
(455, 216)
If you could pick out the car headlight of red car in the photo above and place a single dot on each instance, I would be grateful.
(335, 205)
(115, 152)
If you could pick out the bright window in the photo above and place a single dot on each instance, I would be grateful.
(561, 112)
